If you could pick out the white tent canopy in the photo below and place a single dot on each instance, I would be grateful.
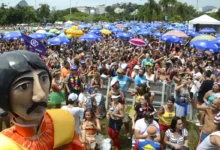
(205, 19)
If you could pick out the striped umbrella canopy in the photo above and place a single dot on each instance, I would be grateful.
(203, 37)
(177, 33)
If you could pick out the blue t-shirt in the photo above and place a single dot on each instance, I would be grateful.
(144, 61)
(140, 80)
(148, 145)
(123, 83)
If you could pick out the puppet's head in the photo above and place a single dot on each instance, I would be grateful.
(24, 84)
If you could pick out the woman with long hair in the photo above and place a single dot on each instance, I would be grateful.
(89, 129)
(141, 109)
(57, 95)
(176, 137)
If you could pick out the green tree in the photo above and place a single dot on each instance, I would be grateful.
(44, 11)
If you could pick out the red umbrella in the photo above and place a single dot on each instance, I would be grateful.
(137, 42)
(176, 33)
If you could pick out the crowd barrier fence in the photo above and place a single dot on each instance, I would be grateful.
(162, 91)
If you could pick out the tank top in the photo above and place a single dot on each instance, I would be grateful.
(213, 96)
(167, 116)
(207, 145)
(116, 111)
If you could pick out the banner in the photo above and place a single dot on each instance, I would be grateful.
(34, 45)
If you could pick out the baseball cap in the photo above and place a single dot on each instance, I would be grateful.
(114, 81)
(72, 97)
(136, 67)
(120, 70)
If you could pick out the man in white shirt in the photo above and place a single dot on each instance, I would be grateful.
(141, 125)
(211, 142)
(77, 112)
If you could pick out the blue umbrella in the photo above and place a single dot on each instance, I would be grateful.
(90, 37)
(218, 36)
(170, 28)
(12, 36)
(58, 40)
(116, 30)
(95, 31)
(47, 28)
(170, 39)
(38, 36)
(144, 33)
(192, 33)
(207, 30)
(205, 45)
(158, 34)
(217, 41)
(123, 35)
(96, 28)
(50, 34)
(131, 31)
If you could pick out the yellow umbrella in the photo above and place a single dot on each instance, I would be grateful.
(76, 33)
(104, 31)
(74, 27)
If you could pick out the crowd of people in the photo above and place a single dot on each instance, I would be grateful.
(78, 73)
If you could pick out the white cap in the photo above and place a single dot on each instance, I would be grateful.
(72, 97)
(113, 81)
(208, 68)
(136, 67)
(115, 96)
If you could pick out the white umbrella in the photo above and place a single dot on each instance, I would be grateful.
(41, 31)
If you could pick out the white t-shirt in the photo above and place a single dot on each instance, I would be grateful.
(84, 98)
(78, 113)
(206, 144)
(142, 126)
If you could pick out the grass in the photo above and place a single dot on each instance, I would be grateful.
(126, 143)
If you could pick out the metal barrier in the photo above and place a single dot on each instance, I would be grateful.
(162, 92)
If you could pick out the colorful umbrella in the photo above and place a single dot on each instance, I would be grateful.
(176, 33)
(53, 30)
(104, 31)
(203, 37)
(137, 42)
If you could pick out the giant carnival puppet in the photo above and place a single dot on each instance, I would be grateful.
(25, 83)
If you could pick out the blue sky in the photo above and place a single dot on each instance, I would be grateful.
(62, 4)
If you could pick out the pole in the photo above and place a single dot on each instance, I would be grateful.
(70, 8)
(35, 4)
